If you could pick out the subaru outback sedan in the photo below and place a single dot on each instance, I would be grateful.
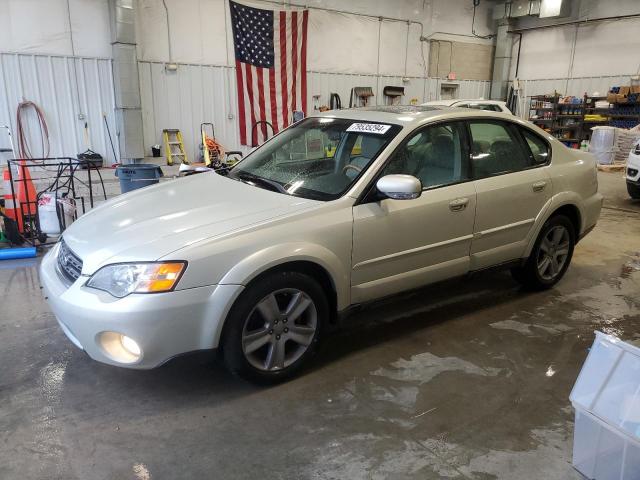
(338, 210)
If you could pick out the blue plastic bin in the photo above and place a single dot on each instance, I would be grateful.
(135, 176)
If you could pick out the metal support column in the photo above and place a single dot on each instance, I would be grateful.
(501, 61)
(125, 80)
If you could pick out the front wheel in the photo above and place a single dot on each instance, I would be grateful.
(274, 327)
(550, 256)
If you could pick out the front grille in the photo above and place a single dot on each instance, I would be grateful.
(69, 263)
(632, 172)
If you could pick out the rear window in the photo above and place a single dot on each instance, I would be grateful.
(539, 148)
(484, 106)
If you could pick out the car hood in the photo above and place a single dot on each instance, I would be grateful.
(150, 223)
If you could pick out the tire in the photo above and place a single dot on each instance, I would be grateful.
(634, 191)
(274, 327)
(550, 256)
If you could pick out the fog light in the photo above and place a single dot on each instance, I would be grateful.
(130, 345)
(119, 348)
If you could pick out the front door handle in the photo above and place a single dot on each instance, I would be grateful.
(539, 186)
(458, 204)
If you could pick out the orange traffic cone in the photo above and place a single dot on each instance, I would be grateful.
(11, 205)
(26, 190)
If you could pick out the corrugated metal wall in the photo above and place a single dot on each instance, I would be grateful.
(182, 99)
(207, 93)
(63, 87)
(186, 98)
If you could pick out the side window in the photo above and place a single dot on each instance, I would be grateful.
(495, 149)
(436, 155)
(539, 148)
(482, 106)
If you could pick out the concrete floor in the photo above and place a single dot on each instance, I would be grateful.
(467, 379)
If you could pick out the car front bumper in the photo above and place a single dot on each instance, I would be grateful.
(163, 325)
(632, 170)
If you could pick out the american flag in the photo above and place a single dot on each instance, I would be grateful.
(271, 67)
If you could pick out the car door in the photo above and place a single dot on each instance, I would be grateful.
(512, 189)
(402, 244)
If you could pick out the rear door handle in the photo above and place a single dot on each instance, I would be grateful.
(458, 204)
(539, 186)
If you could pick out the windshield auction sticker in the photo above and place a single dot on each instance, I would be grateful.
(376, 128)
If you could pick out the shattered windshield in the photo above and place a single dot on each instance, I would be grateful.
(317, 158)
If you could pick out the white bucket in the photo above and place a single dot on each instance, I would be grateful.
(54, 211)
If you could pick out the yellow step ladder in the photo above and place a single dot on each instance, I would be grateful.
(174, 146)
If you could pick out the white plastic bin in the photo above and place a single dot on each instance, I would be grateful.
(55, 213)
(606, 398)
(603, 144)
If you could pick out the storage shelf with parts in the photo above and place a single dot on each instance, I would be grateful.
(571, 122)
(558, 116)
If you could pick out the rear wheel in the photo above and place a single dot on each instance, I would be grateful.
(634, 191)
(274, 327)
(551, 255)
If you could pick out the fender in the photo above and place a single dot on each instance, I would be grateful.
(261, 261)
(558, 200)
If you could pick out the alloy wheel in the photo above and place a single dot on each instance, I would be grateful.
(279, 329)
(553, 252)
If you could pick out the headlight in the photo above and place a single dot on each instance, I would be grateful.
(124, 278)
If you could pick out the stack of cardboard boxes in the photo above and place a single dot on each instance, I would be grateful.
(621, 95)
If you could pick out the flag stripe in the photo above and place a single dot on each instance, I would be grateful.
(294, 60)
(283, 62)
(266, 81)
(303, 60)
(292, 72)
(278, 72)
(247, 108)
(241, 112)
(261, 104)
(247, 69)
(272, 100)
(299, 64)
(256, 103)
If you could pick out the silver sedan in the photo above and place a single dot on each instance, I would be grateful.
(340, 209)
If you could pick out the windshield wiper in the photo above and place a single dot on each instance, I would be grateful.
(262, 182)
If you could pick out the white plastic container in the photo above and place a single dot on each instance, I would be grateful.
(606, 398)
(603, 144)
(52, 211)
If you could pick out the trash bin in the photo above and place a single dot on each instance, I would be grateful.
(155, 151)
(137, 176)
(606, 398)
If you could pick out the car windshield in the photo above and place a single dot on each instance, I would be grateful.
(317, 158)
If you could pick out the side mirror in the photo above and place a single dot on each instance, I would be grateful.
(400, 187)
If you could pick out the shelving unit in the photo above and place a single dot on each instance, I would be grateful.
(562, 120)
(566, 121)
(590, 108)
